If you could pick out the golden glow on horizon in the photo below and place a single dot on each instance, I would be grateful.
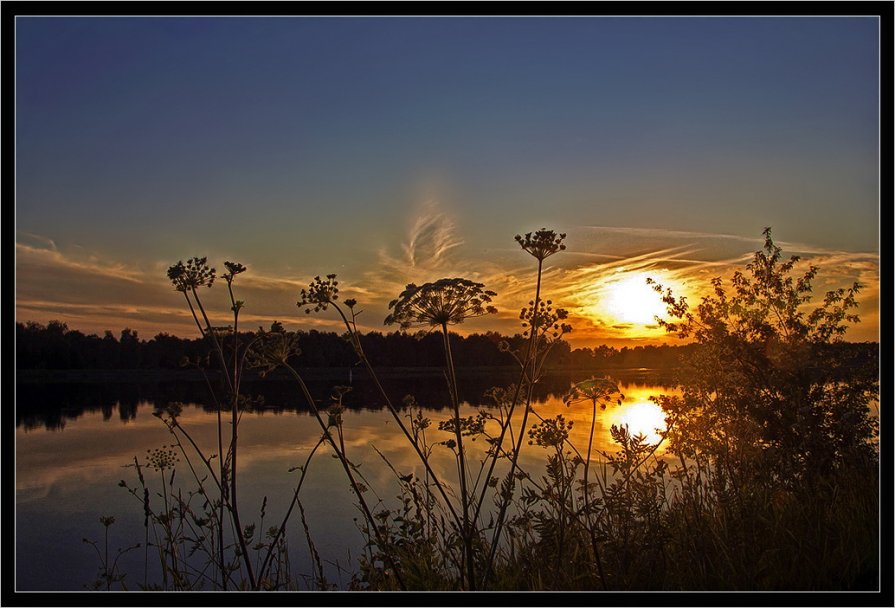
(625, 305)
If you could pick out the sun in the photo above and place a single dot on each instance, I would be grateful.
(629, 299)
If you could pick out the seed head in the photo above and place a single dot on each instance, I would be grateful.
(596, 390)
(544, 319)
(272, 349)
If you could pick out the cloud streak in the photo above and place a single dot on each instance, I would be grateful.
(432, 237)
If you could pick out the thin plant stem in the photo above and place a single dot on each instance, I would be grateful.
(232, 384)
(461, 461)
(530, 360)
(220, 517)
(282, 528)
(395, 415)
(593, 537)
(210, 334)
(346, 465)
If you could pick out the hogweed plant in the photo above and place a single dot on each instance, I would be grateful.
(271, 350)
(599, 392)
(439, 304)
(324, 293)
(187, 278)
(543, 328)
(215, 529)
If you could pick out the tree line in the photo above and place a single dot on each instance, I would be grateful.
(55, 346)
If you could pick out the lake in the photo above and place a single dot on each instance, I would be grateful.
(74, 442)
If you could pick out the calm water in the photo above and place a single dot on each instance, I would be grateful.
(73, 444)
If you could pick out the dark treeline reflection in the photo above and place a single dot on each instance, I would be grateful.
(55, 346)
(327, 360)
(50, 405)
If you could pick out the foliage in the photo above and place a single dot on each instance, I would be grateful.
(765, 394)
(773, 421)
(198, 534)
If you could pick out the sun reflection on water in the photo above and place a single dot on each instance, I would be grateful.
(642, 418)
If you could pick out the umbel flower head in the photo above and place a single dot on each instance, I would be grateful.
(542, 244)
(544, 319)
(162, 458)
(443, 302)
(321, 293)
(233, 269)
(195, 273)
(273, 348)
(595, 390)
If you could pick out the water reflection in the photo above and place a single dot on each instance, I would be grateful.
(54, 405)
(66, 480)
(641, 418)
(641, 415)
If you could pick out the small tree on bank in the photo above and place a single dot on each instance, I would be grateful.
(768, 391)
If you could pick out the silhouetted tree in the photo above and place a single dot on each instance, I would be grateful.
(771, 392)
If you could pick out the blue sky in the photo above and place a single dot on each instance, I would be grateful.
(302, 146)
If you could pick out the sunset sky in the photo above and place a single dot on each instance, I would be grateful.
(402, 149)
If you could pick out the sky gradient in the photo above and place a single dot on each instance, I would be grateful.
(390, 150)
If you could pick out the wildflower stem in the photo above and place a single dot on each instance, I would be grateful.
(234, 506)
(587, 517)
(210, 333)
(281, 530)
(236, 375)
(530, 360)
(461, 459)
(231, 382)
(346, 465)
(106, 562)
(221, 466)
(396, 416)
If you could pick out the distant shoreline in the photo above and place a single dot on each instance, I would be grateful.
(96, 376)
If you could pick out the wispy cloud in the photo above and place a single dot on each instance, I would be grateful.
(432, 237)
(50, 256)
(37, 241)
(665, 233)
(95, 294)
(431, 250)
